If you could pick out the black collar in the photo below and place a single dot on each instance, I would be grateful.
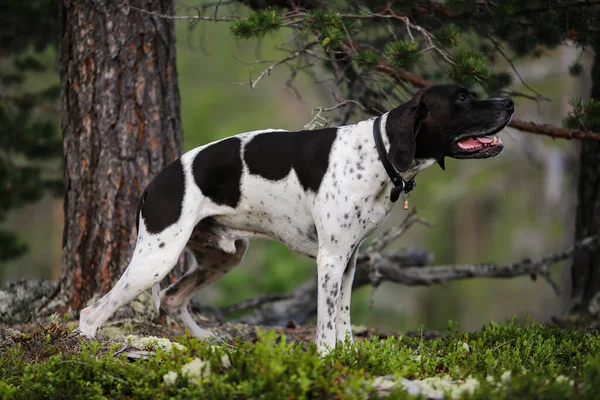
(400, 185)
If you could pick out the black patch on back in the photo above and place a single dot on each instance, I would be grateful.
(272, 155)
(139, 210)
(217, 171)
(162, 200)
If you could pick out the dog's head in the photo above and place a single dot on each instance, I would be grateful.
(446, 121)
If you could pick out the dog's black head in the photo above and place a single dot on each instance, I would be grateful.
(446, 121)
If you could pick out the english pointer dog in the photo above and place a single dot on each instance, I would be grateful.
(320, 192)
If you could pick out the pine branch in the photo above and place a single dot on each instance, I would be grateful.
(525, 126)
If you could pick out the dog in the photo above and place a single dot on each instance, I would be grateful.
(320, 192)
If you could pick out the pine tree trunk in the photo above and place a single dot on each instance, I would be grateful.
(121, 125)
(585, 271)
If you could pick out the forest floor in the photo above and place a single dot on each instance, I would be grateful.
(130, 359)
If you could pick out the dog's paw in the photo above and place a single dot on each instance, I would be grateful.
(85, 327)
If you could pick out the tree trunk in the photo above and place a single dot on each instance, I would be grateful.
(121, 126)
(585, 271)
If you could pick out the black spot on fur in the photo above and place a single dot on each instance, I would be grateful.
(217, 171)
(312, 233)
(162, 245)
(161, 202)
(272, 155)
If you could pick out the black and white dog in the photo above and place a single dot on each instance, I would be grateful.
(320, 192)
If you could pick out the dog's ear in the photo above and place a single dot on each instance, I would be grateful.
(405, 130)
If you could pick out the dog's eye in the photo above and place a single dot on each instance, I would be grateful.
(462, 98)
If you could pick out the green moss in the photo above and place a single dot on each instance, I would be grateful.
(501, 361)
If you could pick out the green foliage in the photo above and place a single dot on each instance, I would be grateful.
(508, 360)
(448, 35)
(28, 132)
(318, 20)
(585, 114)
(367, 59)
(469, 68)
(257, 25)
(332, 36)
(403, 53)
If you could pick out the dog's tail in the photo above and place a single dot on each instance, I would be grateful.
(138, 213)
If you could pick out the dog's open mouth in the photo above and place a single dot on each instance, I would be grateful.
(477, 147)
(473, 144)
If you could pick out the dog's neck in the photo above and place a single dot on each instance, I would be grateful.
(389, 121)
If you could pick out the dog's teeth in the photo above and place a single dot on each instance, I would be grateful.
(495, 140)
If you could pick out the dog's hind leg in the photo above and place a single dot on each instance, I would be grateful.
(154, 256)
(211, 265)
(167, 214)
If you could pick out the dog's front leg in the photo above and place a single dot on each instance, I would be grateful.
(342, 321)
(330, 268)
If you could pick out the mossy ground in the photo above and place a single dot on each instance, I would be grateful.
(507, 360)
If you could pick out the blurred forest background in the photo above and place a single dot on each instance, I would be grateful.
(520, 204)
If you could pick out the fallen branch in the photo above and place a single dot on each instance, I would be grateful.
(419, 276)
(302, 301)
(408, 268)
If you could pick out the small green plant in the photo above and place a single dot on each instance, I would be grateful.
(502, 361)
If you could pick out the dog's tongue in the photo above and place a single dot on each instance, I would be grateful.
(469, 143)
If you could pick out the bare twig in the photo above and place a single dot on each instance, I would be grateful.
(388, 14)
(183, 17)
(319, 110)
(270, 68)
(514, 68)
(392, 234)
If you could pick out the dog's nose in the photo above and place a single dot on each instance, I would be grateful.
(509, 104)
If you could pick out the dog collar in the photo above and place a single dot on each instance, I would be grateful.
(400, 185)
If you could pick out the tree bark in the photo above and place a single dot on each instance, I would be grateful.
(585, 270)
(121, 126)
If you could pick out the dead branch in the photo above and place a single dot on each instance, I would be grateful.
(392, 234)
(317, 111)
(444, 273)
(553, 131)
(408, 268)
(267, 71)
(302, 301)
(182, 17)
(500, 50)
